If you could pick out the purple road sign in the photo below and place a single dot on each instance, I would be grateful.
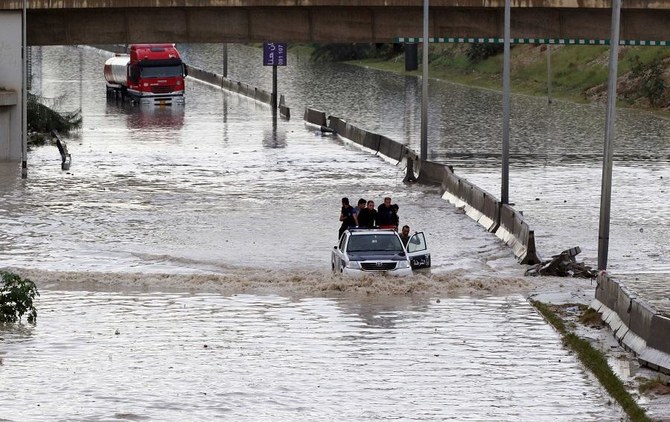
(274, 54)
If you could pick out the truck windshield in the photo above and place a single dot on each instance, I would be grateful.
(161, 71)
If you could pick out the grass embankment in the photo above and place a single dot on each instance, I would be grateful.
(595, 361)
(578, 73)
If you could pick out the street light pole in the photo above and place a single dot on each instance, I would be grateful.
(504, 194)
(606, 188)
(424, 89)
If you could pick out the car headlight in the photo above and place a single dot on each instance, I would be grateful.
(353, 265)
(402, 264)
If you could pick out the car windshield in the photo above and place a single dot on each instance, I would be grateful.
(374, 243)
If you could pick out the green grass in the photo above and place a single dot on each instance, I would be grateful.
(596, 362)
(575, 69)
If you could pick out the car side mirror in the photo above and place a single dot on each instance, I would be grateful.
(334, 247)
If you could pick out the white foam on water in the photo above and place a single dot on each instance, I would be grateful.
(309, 283)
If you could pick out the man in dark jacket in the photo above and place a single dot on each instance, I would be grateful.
(387, 215)
(347, 216)
(367, 217)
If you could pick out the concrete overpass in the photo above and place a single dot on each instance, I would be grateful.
(64, 22)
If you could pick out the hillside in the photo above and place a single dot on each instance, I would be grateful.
(579, 73)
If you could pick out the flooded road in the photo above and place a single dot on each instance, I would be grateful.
(206, 225)
(162, 356)
(209, 187)
(555, 154)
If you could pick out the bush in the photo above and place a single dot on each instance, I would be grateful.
(356, 51)
(651, 85)
(16, 298)
(479, 52)
(44, 119)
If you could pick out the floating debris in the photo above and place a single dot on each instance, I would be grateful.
(563, 265)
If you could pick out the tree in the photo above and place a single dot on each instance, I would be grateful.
(16, 298)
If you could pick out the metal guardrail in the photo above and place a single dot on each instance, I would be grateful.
(550, 41)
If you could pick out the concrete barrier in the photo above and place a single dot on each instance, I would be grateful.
(284, 111)
(659, 333)
(372, 141)
(315, 117)
(431, 173)
(514, 231)
(478, 204)
(636, 325)
(241, 88)
(263, 96)
(391, 148)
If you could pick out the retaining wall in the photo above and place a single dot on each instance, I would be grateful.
(637, 325)
(478, 204)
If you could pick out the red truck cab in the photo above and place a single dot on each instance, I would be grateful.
(150, 74)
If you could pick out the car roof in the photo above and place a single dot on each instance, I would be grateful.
(361, 231)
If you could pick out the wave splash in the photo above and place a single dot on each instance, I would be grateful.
(303, 282)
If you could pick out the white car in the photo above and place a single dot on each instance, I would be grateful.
(380, 251)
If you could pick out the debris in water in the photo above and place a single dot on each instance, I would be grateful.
(563, 265)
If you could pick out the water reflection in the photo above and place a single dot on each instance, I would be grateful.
(147, 116)
(273, 138)
(462, 121)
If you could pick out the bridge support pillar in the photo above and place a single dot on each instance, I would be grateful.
(411, 57)
(11, 80)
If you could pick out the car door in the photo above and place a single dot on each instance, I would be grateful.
(338, 257)
(417, 251)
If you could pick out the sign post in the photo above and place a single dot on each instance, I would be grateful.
(274, 54)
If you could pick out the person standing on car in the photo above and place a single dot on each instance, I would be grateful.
(387, 215)
(395, 218)
(359, 208)
(347, 216)
(368, 217)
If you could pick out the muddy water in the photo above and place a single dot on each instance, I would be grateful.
(179, 356)
(555, 154)
(209, 225)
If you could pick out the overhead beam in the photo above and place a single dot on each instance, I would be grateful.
(61, 26)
